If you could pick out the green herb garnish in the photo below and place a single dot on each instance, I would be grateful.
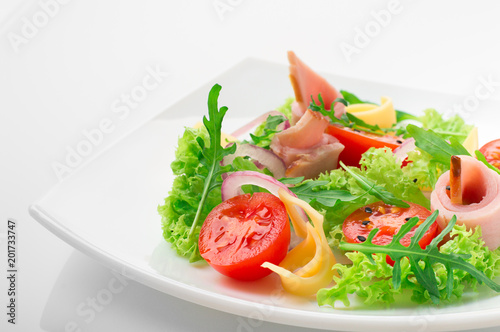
(482, 159)
(422, 260)
(373, 189)
(264, 138)
(435, 145)
(348, 119)
(310, 192)
(400, 115)
(211, 156)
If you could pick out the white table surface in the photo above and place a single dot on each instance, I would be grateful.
(64, 77)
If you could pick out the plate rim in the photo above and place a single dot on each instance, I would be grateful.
(226, 303)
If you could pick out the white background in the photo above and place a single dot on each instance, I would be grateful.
(63, 78)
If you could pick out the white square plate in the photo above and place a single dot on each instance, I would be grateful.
(107, 209)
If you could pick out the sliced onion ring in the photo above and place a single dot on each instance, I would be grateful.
(401, 152)
(231, 186)
(265, 157)
(283, 126)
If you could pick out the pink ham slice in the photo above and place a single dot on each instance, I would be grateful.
(306, 82)
(481, 197)
(305, 148)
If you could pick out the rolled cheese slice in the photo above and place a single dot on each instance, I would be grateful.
(481, 200)
(384, 115)
(309, 266)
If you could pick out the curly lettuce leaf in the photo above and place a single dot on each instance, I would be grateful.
(381, 167)
(423, 169)
(286, 108)
(454, 126)
(180, 206)
(373, 282)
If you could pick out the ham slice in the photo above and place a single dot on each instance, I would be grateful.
(481, 200)
(307, 83)
(305, 148)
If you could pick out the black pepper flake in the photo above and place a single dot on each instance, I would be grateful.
(415, 180)
(357, 131)
(361, 238)
(366, 222)
(368, 210)
(448, 188)
(407, 219)
(399, 141)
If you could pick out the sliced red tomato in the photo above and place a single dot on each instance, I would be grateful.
(357, 142)
(388, 219)
(491, 151)
(243, 232)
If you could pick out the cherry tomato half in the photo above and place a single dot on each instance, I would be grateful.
(388, 219)
(357, 142)
(491, 151)
(243, 232)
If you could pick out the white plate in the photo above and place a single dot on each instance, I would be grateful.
(107, 209)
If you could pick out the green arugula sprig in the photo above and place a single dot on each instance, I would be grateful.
(480, 156)
(421, 260)
(211, 156)
(264, 140)
(400, 115)
(350, 120)
(440, 150)
(435, 145)
(373, 189)
(310, 192)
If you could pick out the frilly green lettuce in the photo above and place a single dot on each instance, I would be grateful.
(373, 283)
(380, 166)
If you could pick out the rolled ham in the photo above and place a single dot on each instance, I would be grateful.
(305, 148)
(481, 200)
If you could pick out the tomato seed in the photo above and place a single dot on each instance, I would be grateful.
(361, 238)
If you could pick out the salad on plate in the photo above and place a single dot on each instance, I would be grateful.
(340, 197)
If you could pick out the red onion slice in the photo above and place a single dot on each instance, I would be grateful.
(231, 186)
(283, 126)
(401, 152)
(265, 157)
(257, 121)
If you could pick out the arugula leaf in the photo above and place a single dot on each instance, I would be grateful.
(353, 99)
(313, 106)
(296, 180)
(422, 260)
(264, 138)
(435, 145)
(357, 123)
(350, 120)
(211, 156)
(400, 115)
(482, 159)
(372, 188)
(310, 192)
(340, 100)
